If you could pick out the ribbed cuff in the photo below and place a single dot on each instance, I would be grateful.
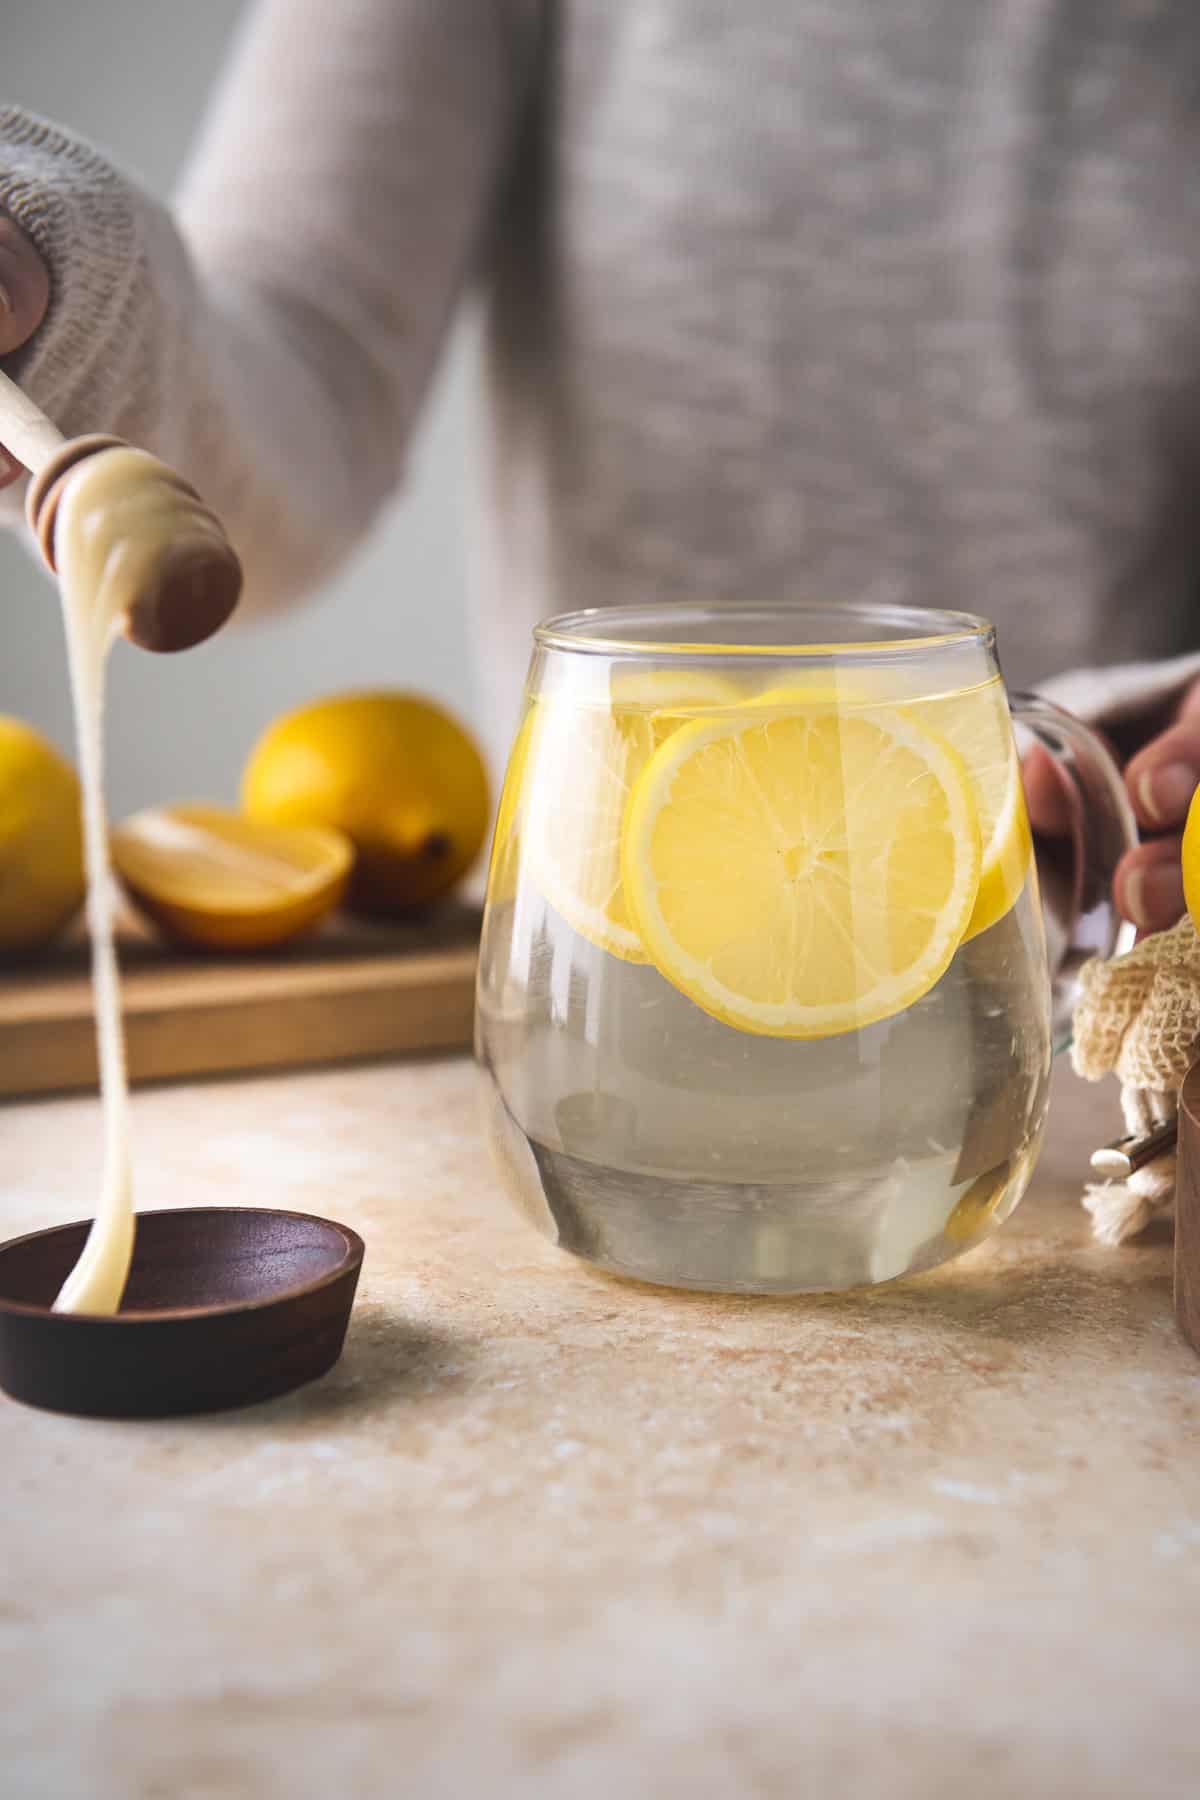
(84, 217)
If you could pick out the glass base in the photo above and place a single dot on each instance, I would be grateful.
(802, 1237)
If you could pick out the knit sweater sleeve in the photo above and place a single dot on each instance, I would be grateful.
(273, 335)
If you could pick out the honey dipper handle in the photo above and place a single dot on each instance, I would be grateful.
(25, 430)
(189, 577)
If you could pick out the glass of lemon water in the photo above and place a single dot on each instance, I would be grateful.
(764, 997)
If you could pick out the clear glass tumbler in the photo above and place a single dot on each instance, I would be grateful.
(764, 998)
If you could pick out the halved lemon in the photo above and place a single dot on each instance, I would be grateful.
(583, 761)
(976, 724)
(225, 882)
(803, 874)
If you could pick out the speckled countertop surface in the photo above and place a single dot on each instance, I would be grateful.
(542, 1533)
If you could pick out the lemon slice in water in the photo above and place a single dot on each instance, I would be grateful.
(582, 762)
(225, 882)
(802, 874)
(504, 863)
(976, 724)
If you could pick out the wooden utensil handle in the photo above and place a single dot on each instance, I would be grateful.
(1126, 1155)
(24, 428)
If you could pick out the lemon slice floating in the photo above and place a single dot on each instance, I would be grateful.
(505, 858)
(976, 724)
(583, 763)
(803, 874)
(225, 882)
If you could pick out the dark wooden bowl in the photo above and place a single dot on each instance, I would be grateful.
(225, 1306)
(1187, 1210)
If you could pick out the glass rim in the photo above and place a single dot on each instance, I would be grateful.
(606, 630)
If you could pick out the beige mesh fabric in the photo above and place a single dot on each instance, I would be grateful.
(1138, 1017)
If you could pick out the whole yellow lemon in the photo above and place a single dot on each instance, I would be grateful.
(395, 773)
(41, 838)
(1191, 860)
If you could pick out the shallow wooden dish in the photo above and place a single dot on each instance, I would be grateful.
(1187, 1210)
(225, 1306)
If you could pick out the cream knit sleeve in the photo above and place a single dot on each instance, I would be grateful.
(273, 336)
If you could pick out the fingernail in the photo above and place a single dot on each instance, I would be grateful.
(1154, 896)
(1166, 793)
(10, 468)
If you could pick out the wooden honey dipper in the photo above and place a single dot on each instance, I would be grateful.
(189, 578)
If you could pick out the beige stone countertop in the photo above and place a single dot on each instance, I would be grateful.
(542, 1533)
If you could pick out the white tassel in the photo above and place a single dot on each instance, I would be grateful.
(1120, 1209)
(1144, 1108)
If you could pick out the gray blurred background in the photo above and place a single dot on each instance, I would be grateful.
(135, 81)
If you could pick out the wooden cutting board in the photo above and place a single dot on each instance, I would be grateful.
(350, 991)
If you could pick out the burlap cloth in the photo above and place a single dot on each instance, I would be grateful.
(1138, 1017)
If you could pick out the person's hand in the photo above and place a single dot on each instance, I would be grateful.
(24, 297)
(1161, 779)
